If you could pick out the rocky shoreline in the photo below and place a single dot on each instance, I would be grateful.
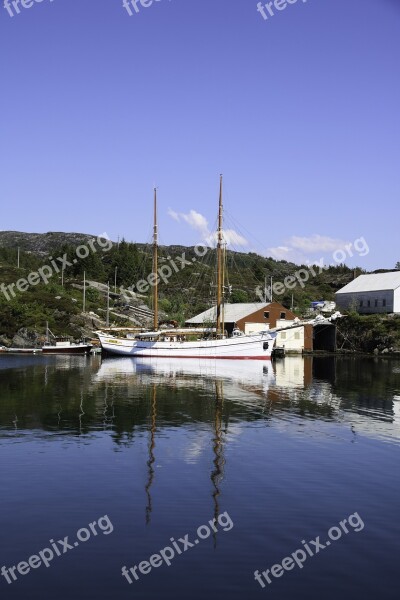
(373, 335)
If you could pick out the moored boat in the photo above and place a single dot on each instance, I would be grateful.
(166, 344)
(65, 346)
(207, 343)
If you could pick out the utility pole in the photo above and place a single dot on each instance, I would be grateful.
(108, 305)
(115, 280)
(18, 259)
(84, 291)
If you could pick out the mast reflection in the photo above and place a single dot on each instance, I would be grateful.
(81, 414)
(217, 474)
(150, 462)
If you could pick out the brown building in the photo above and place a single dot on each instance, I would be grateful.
(256, 316)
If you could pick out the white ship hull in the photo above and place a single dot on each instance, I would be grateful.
(257, 346)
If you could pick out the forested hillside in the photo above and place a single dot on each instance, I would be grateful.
(187, 283)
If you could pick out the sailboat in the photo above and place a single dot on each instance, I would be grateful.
(209, 342)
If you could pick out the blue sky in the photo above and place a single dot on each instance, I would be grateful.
(300, 112)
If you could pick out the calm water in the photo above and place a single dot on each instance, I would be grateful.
(283, 452)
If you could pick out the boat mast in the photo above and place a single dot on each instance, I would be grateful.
(155, 263)
(223, 289)
(219, 259)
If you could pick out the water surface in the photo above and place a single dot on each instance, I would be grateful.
(283, 451)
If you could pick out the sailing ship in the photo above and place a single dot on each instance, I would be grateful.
(209, 342)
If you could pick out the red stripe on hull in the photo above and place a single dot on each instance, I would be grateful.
(197, 356)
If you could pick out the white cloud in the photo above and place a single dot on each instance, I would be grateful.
(280, 252)
(302, 250)
(173, 214)
(230, 237)
(198, 222)
(316, 243)
(287, 253)
(234, 238)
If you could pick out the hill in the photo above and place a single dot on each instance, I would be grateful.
(41, 243)
(187, 284)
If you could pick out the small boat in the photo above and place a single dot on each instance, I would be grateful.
(63, 345)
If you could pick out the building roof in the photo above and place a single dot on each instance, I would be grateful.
(232, 312)
(373, 283)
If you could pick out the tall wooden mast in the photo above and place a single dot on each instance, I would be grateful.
(155, 263)
(219, 259)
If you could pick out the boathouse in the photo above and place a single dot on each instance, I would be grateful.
(253, 317)
(371, 294)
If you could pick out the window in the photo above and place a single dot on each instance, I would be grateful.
(283, 315)
(266, 314)
(361, 303)
(376, 303)
(369, 302)
(283, 335)
(384, 302)
(297, 335)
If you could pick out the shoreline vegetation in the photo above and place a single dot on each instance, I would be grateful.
(369, 334)
(23, 317)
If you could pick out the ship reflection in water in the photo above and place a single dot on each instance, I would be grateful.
(313, 387)
(287, 449)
